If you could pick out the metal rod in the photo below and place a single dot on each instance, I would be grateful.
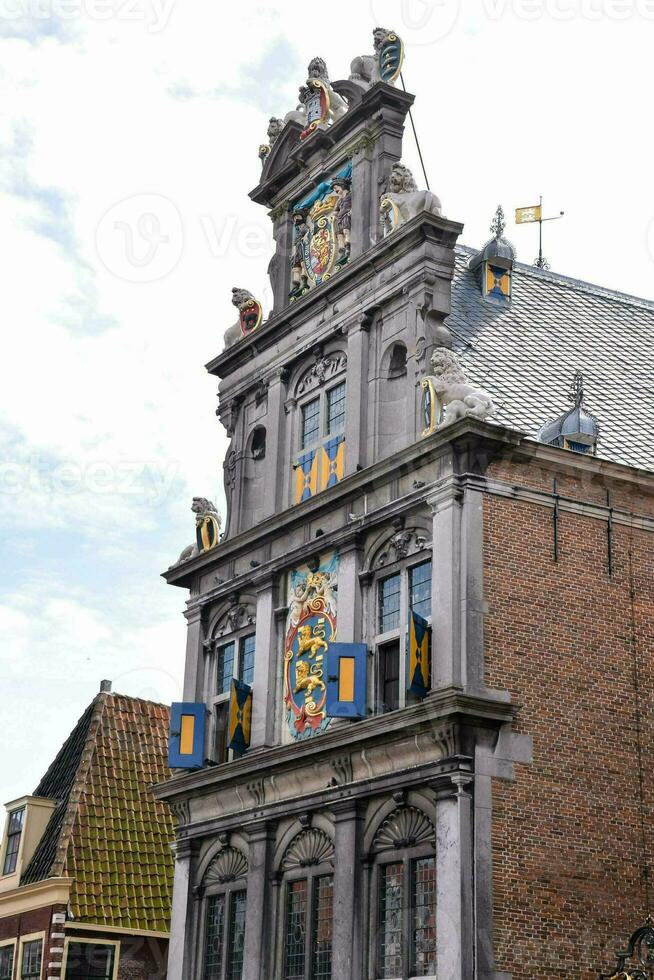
(556, 520)
(609, 532)
(540, 234)
(415, 134)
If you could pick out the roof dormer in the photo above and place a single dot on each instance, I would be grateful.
(26, 821)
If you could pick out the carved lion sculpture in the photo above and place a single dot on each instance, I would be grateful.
(203, 509)
(403, 201)
(240, 299)
(457, 397)
(337, 105)
(275, 127)
(365, 69)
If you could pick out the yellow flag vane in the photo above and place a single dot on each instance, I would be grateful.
(530, 215)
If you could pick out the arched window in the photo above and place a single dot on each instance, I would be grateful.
(307, 907)
(403, 893)
(398, 361)
(225, 897)
(319, 430)
(230, 654)
(401, 585)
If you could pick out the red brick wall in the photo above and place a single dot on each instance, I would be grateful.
(37, 920)
(563, 639)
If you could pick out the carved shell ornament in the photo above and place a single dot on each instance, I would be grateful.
(309, 849)
(229, 865)
(406, 827)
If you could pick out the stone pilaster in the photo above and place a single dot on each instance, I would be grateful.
(259, 910)
(346, 954)
(356, 395)
(264, 701)
(454, 875)
(181, 931)
(273, 463)
(194, 668)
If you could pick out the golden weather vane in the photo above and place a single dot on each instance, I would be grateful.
(531, 215)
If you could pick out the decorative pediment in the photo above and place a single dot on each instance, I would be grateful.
(309, 849)
(325, 368)
(406, 827)
(238, 616)
(229, 865)
(408, 541)
(276, 161)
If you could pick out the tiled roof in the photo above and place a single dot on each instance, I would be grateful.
(109, 833)
(526, 354)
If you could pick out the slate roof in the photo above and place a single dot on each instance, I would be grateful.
(108, 832)
(526, 354)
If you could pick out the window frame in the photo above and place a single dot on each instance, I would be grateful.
(218, 702)
(9, 836)
(32, 937)
(228, 890)
(404, 569)
(311, 876)
(78, 940)
(10, 944)
(407, 857)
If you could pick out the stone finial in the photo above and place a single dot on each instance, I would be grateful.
(319, 105)
(402, 200)
(275, 127)
(207, 528)
(499, 223)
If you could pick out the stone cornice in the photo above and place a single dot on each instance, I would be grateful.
(25, 898)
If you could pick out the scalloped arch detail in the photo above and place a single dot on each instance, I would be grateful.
(227, 866)
(406, 827)
(308, 849)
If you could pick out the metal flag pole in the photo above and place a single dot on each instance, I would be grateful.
(533, 214)
(413, 127)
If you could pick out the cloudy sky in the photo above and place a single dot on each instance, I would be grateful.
(128, 143)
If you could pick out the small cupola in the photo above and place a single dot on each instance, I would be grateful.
(576, 429)
(493, 266)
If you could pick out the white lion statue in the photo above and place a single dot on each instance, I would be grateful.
(402, 200)
(457, 397)
(318, 78)
(365, 69)
(207, 519)
(241, 298)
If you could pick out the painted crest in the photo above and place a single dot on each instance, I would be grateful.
(431, 407)
(391, 58)
(317, 107)
(311, 628)
(321, 233)
(251, 316)
(390, 215)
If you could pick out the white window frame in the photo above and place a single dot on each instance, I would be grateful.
(403, 568)
(5, 842)
(91, 942)
(31, 937)
(320, 395)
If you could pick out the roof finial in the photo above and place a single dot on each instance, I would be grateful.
(499, 224)
(577, 389)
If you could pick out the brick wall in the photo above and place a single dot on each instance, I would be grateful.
(564, 640)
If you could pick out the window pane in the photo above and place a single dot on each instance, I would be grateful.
(295, 930)
(220, 745)
(225, 668)
(14, 830)
(310, 422)
(236, 936)
(31, 961)
(336, 409)
(390, 920)
(246, 671)
(389, 676)
(420, 589)
(16, 821)
(87, 961)
(6, 962)
(389, 603)
(322, 928)
(423, 947)
(213, 955)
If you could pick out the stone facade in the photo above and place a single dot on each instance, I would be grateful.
(454, 785)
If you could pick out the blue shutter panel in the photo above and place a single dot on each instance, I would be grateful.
(347, 680)
(186, 742)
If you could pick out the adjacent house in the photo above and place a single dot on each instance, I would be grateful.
(85, 861)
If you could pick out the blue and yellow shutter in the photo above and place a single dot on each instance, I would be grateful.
(347, 680)
(418, 658)
(240, 717)
(306, 476)
(333, 462)
(186, 740)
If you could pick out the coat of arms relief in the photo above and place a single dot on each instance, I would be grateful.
(311, 627)
(322, 224)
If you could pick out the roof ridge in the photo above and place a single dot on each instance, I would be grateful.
(79, 782)
(581, 285)
(135, 700)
